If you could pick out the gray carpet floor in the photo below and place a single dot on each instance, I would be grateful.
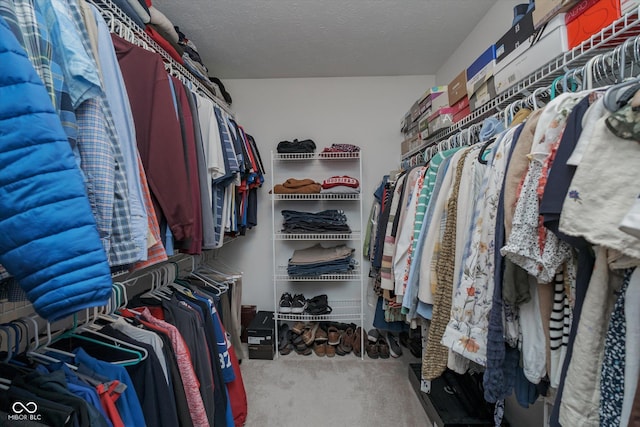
(312, 391)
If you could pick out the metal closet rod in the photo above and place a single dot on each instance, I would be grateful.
(610, 67)
(124, 26)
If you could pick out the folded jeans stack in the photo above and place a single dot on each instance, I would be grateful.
(318, 260)
(340, 185)
(295, 146)
(327, 221)
(297, 186)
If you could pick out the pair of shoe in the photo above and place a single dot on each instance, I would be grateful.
(285, 346)
(413, 341)
(295, 304)
(382, 344)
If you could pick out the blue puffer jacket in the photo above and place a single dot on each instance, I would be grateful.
(48, 238)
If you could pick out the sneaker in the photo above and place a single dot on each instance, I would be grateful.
(394, 347)
(298, 304)
(285, 303)
(373, 335)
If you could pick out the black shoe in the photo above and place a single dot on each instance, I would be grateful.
(286, 303)
(285, 346)
(298, 304)
(394, 348)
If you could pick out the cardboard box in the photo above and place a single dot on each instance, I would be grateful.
(549, 42)
(404, 123)
(261, 330)
(461, 114)
(460, 105)
(589, 21)
(441, 119)
(516, 36)
(415, 112)
(484, 94)
(627, 6)
(433, 99)
(481, 70)
(457, 89)
(546, 9)
(423, 123)
(264, 352)
(578, 9)
(405, 146)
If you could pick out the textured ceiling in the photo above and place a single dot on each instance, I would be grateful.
(324, 38)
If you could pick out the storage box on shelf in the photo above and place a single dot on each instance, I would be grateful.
(433, 99)
(457, 89)
(549, 42)
(615, 34)
(589, 17)
(514, 37)
(461, 109)
(546, 10)
(344, 290)
(481, 70)
(485, 93)
(441, 118)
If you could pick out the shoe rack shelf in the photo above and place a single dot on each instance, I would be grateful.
(319, 196)
(354, 235)
(345, 291)
(282, 276)
(342, 310)
(314, 156)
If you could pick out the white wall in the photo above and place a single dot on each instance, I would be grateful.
(361, 110)
(488, 30)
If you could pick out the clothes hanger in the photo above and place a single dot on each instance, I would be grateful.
(139, 354)
(32, 350)
(4, 328)
(484, 148)
(218, 287)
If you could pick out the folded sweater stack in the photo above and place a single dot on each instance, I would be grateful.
(297, 186)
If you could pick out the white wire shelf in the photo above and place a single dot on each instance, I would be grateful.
(115, 16)
(317, 196)
(613, 35)
(320, 156)
(354, 235)
(341, 310)
(281, 275)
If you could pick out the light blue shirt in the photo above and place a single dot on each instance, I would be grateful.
(118, 99)
(79, 69)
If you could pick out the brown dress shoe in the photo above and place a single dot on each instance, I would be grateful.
(330, 350)
(357, 342)
(320, 349)
(333, 336)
